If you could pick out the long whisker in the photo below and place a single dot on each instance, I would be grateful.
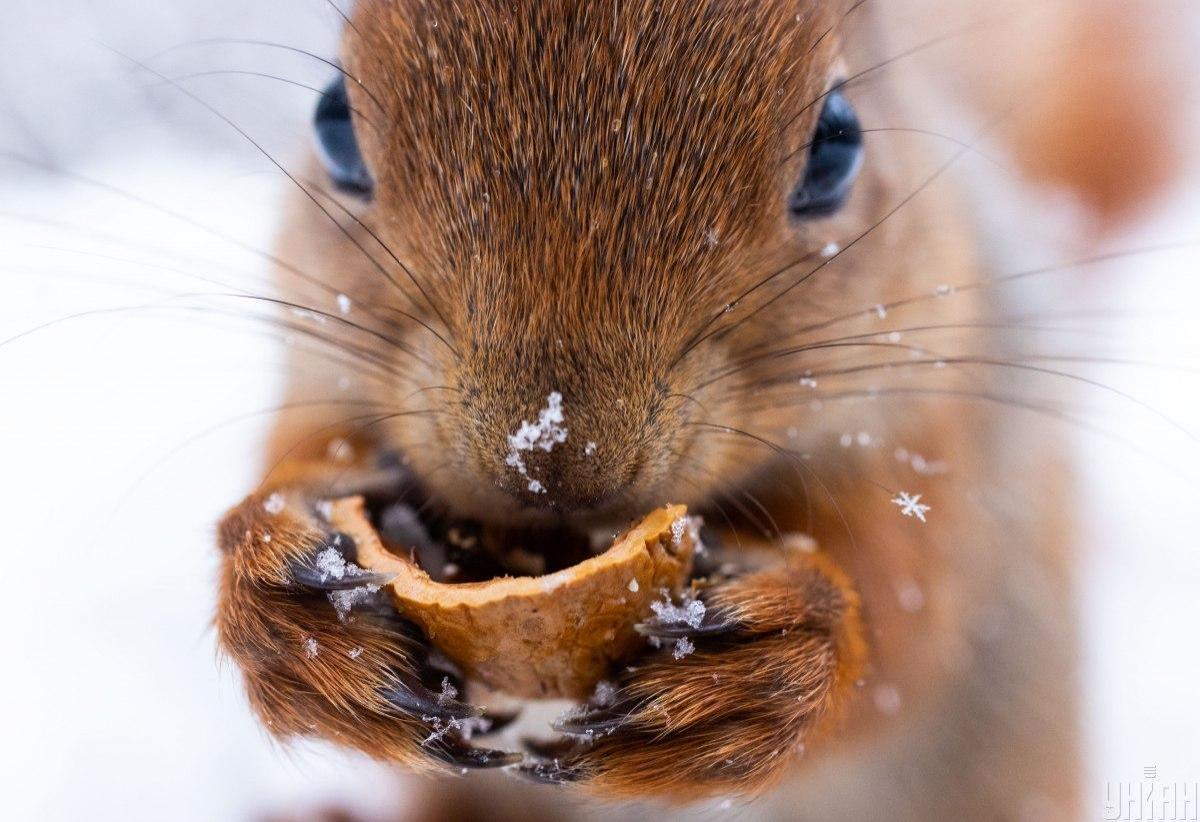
(237, 41)
(271, 158)
(266, 76)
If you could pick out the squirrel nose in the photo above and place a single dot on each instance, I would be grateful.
(552, 463)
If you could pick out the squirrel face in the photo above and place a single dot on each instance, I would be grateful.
(597, 209)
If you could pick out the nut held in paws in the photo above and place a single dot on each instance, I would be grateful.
(550, 636)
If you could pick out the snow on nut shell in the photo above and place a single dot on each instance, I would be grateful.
(539, 637)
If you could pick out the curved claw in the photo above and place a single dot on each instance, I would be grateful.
(591, 721)
(496, 722)
(336, 573)
(545, 749)
(414, 698)
(453, 750)
(715, 623)
(551, 772)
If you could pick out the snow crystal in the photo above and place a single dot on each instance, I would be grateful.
(887, 699)
(311, 647)
(448, 693)
(683, 647)
(926, 468)
(355, 652)
(689, 526)
(689, 612)
(344, 304)
(339, 450)
(846, 440)
(677, 529)
(274, 503)
(711, 238)
(808, 382)
(633, 586)
(910, 505)
(265, 537)
(544, 434)
(910, 596)
(944, 290)
(830, 250)
(331, 564)
(343, 383)
(880, 311)
(590, 448)
(605, 694)
(344, 601)
(325, 509)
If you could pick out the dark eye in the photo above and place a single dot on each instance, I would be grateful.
(833, 160)
(336, 143)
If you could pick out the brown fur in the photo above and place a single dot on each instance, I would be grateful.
(580, 188)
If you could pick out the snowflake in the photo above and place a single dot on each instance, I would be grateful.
(544, 434)
(910, 505)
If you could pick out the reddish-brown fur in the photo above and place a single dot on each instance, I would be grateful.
(580, 188)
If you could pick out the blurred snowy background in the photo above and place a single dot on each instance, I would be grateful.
(126, 433)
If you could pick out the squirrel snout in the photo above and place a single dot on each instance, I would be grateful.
(557, 460)
(572, 454)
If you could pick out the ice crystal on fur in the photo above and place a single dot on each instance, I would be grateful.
(344, 304)
(683, 647)
(910, 505)
(311, 647)
(274, 503)
(689, 612)
(544, 434)
(344, 601)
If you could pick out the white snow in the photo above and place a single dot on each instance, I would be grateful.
(633, 586)
(910, 505)
(689, 612)
(448, 693)
(311, 647)
(605, 693)
(344, 303)
(274, 503)
(683, 647)
(547, 432)
(344, 601)
(887, 699)
(331, 564)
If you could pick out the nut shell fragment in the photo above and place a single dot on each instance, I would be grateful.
(539, 637)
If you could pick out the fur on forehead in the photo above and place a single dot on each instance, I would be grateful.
(629, 138)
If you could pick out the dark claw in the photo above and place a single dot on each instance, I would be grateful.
(592, 721)
(551, 772)
(309, 577)
(454, 751)
(497, 722)
(715, 623)
(307, 574)
(415, 699)
(543, 749)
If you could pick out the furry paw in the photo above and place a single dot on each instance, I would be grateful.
(321, 653)
(741, 680)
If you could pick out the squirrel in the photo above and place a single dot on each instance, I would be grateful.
(668, 215)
